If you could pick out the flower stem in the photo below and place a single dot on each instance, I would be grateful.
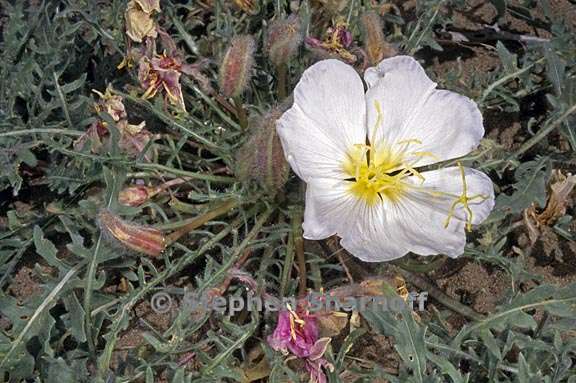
(281, 73)
(201, 220)
(241, 113)
(299, 249)
(288, 264)
(24, 132)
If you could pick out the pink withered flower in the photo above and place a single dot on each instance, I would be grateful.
(133, 138)
(162, 73)
(298, 334)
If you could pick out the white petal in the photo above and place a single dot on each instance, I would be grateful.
(426, 214)
(376, 236)
(417, 222)
(397, 65)
(327, 118)
(447, 124)
(328, 205)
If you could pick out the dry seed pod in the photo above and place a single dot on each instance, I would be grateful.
(261, 158)
(375, 44)
(142, 239)
(283, 39)
(236, 67)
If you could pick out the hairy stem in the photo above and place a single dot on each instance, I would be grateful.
(241, 113)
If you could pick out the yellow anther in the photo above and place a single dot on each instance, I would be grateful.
(463, 199)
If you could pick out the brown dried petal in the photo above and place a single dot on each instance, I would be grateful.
(139, 24)
(149, 6)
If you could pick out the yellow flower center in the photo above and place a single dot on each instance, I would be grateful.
(379, 171)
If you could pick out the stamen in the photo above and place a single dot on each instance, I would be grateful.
(463, 199)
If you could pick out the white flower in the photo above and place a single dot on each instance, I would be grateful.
(361, 154)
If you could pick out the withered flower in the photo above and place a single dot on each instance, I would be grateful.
(142, 239)
(149, 6)
(133, 138)
(111, 104)
(159, 73)
(139, 21)
(336, 44)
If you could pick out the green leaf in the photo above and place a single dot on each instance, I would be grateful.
(531, 180)
(46, 249)
(555, 69)
(408, 336)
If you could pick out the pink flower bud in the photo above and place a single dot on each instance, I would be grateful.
(237, 65)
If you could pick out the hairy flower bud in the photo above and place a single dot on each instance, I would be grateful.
(375, 44)
(236, 67)
(261, 158)
(142, 239)
(283, 39)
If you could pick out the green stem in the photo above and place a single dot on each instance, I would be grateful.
(119, 320)
(507, 78)
(288, 264)
(62, 101)
(299, 248)
(90, 275)
(180, 172)
(201, 220)
(64, 132)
